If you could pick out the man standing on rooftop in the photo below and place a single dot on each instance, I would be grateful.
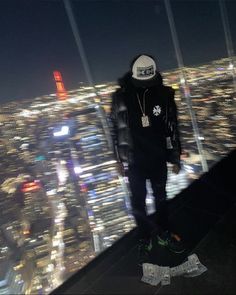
(145, 135)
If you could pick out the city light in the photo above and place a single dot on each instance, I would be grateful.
(231, 66)
(64, 131)
(51, 192)
(62, 174)
(31, 186)
(99, 165)
(78, 170)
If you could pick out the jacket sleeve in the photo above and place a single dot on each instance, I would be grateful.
(174, 151)
(113, 124)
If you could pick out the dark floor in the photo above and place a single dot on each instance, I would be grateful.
(217, 251)
(205, 215)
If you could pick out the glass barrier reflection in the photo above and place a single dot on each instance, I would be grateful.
(62, 199)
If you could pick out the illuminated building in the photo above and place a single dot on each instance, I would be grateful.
(87, 174)
(100, 186)
(35, 208)
(61, 92)
(10, 281)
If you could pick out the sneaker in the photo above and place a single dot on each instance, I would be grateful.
(144, 249)
(171, 241)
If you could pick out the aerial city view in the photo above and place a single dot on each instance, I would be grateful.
(62, 199)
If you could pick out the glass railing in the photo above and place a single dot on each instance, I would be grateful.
(62, 184)
(63, 201)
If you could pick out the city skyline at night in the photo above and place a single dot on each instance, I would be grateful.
(58, 168)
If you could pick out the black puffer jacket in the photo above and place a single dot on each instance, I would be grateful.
(119, 121)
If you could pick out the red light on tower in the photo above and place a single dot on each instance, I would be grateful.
(57, 76)
(61, 91)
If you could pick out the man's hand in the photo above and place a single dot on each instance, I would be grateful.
(175, 168)
(120, 169)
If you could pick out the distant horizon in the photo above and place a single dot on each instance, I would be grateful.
(37, 38)
(86, 84)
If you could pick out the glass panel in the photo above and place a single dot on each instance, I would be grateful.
(209, 73)
(62, 198)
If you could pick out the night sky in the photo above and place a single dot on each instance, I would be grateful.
(36, 38)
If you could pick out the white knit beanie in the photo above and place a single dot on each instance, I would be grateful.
(144, 68)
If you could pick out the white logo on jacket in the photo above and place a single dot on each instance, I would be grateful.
(156, 110)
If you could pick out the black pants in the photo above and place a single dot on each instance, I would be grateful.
(137, 181)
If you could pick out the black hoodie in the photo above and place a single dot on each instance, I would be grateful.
(149, 143)
(135, 144)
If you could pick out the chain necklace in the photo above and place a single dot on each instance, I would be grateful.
(144, 119)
